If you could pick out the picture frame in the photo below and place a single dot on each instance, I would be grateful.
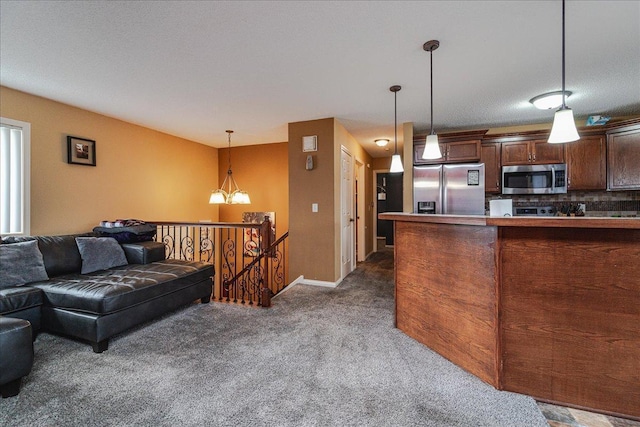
(81, 151)
(252, 240)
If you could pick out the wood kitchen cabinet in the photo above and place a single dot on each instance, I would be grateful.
(490, 155)
(623, 159)
(457, 147)
(531, 152)
(452, 152)
(587, 163)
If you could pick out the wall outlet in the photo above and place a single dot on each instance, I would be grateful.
(314, 207)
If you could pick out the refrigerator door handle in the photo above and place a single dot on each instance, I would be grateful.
(445, 206)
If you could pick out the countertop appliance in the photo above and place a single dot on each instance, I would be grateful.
(449, 189)
(534, 179)
(534, 211)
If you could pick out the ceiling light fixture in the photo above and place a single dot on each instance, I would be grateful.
(396, 162)
(382, 142)
(431, 146)
(564, 126)
(232, 195)
(550, 100)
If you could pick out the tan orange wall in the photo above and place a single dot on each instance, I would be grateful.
(311, 235)
(381, 163)
(263, 172)
(315, 237)
(140, 173)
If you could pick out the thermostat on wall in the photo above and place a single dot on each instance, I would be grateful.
(310, 143)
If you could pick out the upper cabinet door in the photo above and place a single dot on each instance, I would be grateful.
(545, 153)
(463, 151)
(452, 152)
(490, 156)
(531, 152)
(623, 158)
(587, 164)
(516, 153)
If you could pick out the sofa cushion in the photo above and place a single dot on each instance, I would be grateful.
(144, 252)
(21, 263)
(108, 291)
(19, 298)
(100, 253)
(60, 253)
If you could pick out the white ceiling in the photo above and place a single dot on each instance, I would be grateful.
(195, 69)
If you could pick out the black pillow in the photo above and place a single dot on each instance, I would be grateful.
(21, 263)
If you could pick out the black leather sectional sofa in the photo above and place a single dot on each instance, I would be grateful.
(95, 305)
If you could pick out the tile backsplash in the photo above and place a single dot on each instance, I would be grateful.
(598, 203)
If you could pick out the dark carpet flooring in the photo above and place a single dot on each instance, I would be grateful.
(318, 357)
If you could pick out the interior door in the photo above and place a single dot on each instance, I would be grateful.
(347, 219)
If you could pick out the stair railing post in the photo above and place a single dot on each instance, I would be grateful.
(265, 244)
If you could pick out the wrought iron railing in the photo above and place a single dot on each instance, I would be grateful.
(250, 265)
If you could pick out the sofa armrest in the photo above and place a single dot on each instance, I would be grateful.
(144, 252)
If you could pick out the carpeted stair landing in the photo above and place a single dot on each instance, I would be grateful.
(318, 357)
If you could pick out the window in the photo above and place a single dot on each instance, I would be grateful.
(15, 149)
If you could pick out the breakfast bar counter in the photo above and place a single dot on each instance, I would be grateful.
(544, 306)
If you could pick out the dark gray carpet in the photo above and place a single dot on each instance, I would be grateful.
(318, 357)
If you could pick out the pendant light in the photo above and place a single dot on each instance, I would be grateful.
(229, 193)
(396, 162)
(564, 126)
(431, 146)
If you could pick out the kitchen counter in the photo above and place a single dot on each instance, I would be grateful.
(519, 221)
(544, 306)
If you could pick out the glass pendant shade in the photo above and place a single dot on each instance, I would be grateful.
(396, 164)
(217, 197)
(432, 148)
(240, 198)
(564, 127)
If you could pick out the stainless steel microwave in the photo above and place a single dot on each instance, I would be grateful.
(534, 179)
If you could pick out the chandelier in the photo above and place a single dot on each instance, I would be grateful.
(229, 193)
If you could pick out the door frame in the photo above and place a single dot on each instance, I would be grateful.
(352, 234)
(375, 206)
(361, 253)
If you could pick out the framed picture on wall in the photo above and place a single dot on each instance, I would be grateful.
(81, 151)
(252, 241)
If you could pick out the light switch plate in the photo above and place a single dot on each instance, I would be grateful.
(314, 207)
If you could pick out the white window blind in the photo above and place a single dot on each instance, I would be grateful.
(14, 176)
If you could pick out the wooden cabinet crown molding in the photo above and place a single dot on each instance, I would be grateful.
(624, 125)
(453, 136)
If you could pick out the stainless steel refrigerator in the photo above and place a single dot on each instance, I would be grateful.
(449, 189)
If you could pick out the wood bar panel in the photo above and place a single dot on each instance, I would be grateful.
(548, 307)
(570, 316)
(446, 292)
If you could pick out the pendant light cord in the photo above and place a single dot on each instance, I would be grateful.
(395, 122)
(431, 78)
(229, 132)
(564, 105)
